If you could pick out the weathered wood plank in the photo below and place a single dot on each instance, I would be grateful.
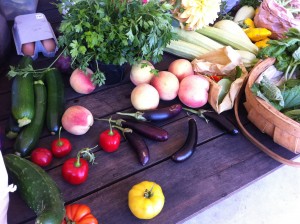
(112, 167)
(217, 169)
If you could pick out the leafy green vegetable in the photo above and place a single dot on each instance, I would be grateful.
(239, 72)
(269, 92)
(291, 93)
(285, 98)
(223, 14)
(115, 32)
(256, 90)
(253, 3)
(286, 51)
(293, 114)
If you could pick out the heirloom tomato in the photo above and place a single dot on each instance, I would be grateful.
(146, 200)
(79, 214)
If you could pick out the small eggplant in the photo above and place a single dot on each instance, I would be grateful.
(217, 118)
(146, 129)
(139, 145)
(222, 121)
(188, 148)
(156, 114)
(143, 128)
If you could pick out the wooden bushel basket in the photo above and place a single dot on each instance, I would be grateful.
(283, 130)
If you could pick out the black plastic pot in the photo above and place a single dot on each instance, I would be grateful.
(113, 73)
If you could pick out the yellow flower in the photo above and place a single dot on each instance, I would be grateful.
(194, 14)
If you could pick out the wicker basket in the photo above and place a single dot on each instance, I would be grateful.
(283, 130)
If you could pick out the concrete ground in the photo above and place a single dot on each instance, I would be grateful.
(273, 199)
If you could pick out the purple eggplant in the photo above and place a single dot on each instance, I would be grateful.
(139, 145)
(189, 146)
(145, 129)
(156, 114)
(219, 119)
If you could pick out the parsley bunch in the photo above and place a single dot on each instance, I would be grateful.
(114, 32)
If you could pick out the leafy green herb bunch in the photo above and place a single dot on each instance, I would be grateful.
(114, 32)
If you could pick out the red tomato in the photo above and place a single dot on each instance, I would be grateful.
(80, 214)
(109, 140)
(41, 156)
(61, 147)
(75, 170)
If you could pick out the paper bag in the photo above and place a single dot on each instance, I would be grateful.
(222, 62)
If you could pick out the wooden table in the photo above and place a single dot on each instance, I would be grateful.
(221, 165)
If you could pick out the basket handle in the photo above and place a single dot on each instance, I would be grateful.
(252, 139)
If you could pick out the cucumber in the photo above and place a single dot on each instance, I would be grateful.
(29, 135)
(37, 189)
(55, 102)
(23, 95)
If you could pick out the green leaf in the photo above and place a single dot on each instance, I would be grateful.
(293, 114)
(296, 54)
(291, 96)
(78, 28)
(239, 72)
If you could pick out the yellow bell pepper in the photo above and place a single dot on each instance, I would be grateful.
(146, 200)
(263, 43)
(258, 34)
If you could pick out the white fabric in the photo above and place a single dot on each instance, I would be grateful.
(4, 191)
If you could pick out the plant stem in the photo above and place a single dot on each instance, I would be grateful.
(57, 58)
(60, 143)
(198, 112)
(137, 115)
(86, 153)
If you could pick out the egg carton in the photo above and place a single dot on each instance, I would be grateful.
(34, 29)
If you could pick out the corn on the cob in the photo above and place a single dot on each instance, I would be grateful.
(228, 39)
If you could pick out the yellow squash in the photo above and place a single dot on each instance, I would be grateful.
(258, 34)
(262, 43)
(146, 200)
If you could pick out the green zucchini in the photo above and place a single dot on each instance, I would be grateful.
(55, 102)
(29, 136)
(37, 189)
(12, 128)
(23, 95)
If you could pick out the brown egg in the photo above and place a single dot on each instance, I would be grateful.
(49, 45)
(28, 49)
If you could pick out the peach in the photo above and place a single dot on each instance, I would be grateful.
(181, 68)
(141, 72)
(167, 85)
(193, 91)
(144, 97)
(77, 120)
(81, 82)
